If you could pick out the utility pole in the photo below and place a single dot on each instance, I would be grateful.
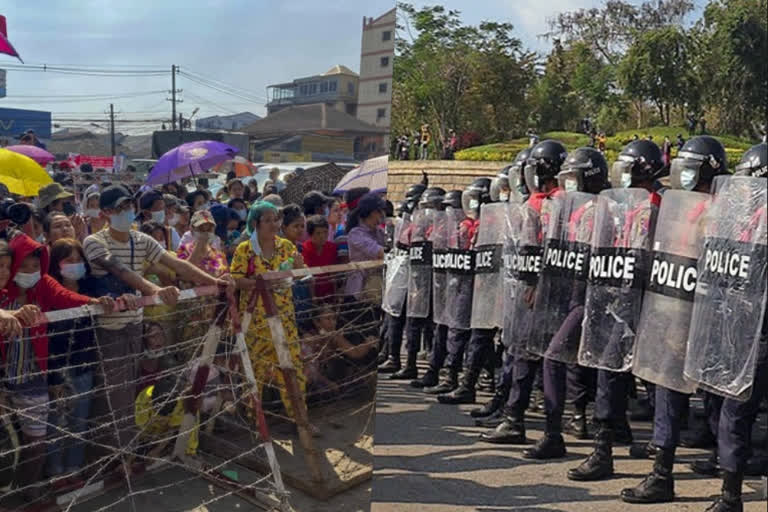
(173, 91)
(112, 127)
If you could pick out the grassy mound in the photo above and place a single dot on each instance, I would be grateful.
(506, 151)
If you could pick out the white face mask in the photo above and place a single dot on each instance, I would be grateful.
(504, 197)
(122, 221)
(159, 216)
(242, 214)
(92, 213)
(626, 180)
(474, 204)
(40, 238)
(688, 179)
(174, 219)
(202, 236)
(73, 271)
(26, 281)
(571, 186)
(254, 240)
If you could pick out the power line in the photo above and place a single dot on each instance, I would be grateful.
(255, 99)
(83, 71)
(225, 85)
(88, 95)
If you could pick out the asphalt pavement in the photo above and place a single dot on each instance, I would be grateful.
(428, 458)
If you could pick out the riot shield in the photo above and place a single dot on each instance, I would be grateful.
(396, 279)
(487, 297)
(512, 220)
(618, 260)
(525, 267)
(420, 263)
(445, 226)
(662, 334)
(559, 304)
(459, 264)
(730, 298)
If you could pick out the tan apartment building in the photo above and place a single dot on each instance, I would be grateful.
(336, 88)
(377, 52)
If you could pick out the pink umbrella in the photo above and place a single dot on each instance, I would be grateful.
(37, 154)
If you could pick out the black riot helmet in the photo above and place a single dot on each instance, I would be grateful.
(544, 163)
(500, 185)
(640, 160)
(453, 199)
(476, 194)
(697, 163)
(412, 196)
(584, 170)
(754, 162)
(432, 198)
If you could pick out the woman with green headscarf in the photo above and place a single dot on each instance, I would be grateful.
(265, 252)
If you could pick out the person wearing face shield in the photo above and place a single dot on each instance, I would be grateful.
(711, 360)
(419, 307)
(396, 287)
(624, 224)
(541, 167)
(559, 298)
(667, 306)
(459, 266)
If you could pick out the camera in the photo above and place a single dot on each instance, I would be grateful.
(18, 213)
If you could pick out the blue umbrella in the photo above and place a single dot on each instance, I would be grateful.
(189, 160)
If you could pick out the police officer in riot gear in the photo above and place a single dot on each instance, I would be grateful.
(396, 317)
(541, 169)
(484, 308)
(419, 302)
(446, 227)
(737, 417)
(698, 162)
(638, 165)
(458, 311)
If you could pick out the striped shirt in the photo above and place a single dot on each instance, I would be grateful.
(21, 370)
(102, 245)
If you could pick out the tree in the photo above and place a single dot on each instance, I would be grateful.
(732, 43)
(557, 107)
(657, 69)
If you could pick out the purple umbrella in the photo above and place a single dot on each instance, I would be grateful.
(189, 160)
(37, 154)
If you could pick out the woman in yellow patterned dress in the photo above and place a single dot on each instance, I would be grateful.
(265, 252)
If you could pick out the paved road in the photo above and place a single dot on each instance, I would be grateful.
(428, 459)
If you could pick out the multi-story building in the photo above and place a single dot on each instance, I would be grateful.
(377, 52)
(232, 122)
(336, 88)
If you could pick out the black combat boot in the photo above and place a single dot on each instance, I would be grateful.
(409, 372)
(577, 427)
(730, 499)
(465, 393)
(490, 407)
(509, 431)
(657, 487)
(551, 446)
(429, 379)
(391, 365)
(492, 421)
(599, 464)
(643, 451)
(448, 383)
(707, 467)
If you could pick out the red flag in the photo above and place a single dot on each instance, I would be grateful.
(5, 45)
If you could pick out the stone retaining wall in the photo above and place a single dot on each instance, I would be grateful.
(448, 174)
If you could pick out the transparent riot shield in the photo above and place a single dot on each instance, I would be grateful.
(396, 279)
(662, 334)
(525, 267)
(621, 240)
(512, 219)
(459, 264)
(559, 303)
(445, 226)
(487, 299)
(420, 262)
(730, 298)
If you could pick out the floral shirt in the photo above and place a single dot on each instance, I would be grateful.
(246, 264)
(214, 263)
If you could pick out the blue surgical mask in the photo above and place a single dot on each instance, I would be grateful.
(688, 179)
(242, 214)
(159, 217)
(25, 280)
(122, 221)
(255, 242)
(73, 271)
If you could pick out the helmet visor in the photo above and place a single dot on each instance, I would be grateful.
(621, 174)
(470, 203)
(684, 172)
(571, 179)
(532, 175)
(500, 189)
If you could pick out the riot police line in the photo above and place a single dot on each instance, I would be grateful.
(594, 277)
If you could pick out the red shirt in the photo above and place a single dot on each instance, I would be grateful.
(327, 256)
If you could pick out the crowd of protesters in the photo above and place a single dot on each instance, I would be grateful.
(116, 243)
